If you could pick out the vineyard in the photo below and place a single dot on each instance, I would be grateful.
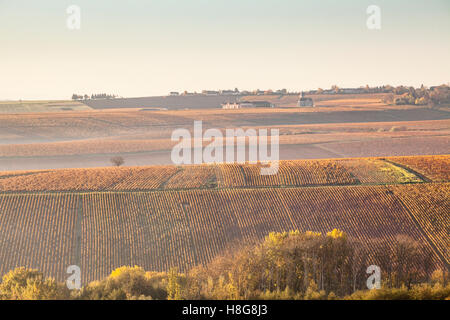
(436, 168)
(290, 173)
(430, 206)
(299, 173)
(38, 231)
(161, 217)
(378, 171)
(96, 179)
(193, 177)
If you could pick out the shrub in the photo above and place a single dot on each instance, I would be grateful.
(117, 161)
(127, 283)
(28, 284)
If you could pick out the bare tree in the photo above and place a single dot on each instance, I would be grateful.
(117, 161)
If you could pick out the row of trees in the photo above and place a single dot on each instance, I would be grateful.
(423, 96)
(433, 96)
(93, 96)
(302, 265)
(290, 265)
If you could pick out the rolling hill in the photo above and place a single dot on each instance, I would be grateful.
(163, 216)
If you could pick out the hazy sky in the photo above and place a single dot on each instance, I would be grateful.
(141, 48)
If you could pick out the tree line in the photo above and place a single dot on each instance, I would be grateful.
(434, 97)
(401, 95)
(288, 265)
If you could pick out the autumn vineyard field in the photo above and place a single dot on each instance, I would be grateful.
(163, 216)
(299, 173)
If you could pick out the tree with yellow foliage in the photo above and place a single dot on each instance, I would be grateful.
(29, 284)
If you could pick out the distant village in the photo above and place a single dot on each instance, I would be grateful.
(303, 101)
(236, 99)
(400, 95)
(333, 90)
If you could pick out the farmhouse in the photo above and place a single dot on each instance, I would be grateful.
(305, 102)
(228, 92)
(351, 90)
(248, 104)
(210, 92)
(257, 104)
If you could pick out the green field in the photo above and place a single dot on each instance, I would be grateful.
(41, 106)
